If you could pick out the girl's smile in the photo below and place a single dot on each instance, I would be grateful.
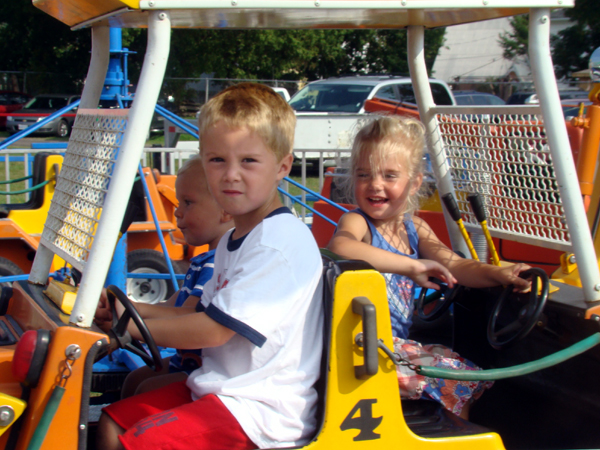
(383, 193)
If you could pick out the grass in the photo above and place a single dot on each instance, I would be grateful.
(17, 170)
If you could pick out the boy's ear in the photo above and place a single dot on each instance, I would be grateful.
(226, 217)
(285, 166)
(416, 184)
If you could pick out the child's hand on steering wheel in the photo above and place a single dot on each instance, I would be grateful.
(103, 317)
(424, 269)
(510, 275)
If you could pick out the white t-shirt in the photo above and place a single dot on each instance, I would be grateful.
(266, 287)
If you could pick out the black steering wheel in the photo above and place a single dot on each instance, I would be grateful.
(528, 315)
(443, 297)
(123, 338)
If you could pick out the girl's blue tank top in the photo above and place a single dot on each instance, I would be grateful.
(400, 288)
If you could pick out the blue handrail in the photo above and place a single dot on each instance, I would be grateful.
(181, 123)
(157, 225)
(31, 129)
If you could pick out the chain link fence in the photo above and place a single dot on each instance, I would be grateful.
(187, 95)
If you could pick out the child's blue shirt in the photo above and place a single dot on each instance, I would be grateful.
(400, 288)
(200, 271)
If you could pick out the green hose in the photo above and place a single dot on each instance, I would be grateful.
(514, 371)
(42, 427)
(23, 191)
(16, 180)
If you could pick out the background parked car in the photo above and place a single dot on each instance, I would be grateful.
(348, 94)
(283, 92)
(476, 98)
(11, 101)
(523, 98)
(40, 107)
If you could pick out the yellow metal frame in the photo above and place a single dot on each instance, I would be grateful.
(32, 220)
(345, 391)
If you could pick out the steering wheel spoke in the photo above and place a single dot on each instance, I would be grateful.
(442, 298)
(124, 339)
(511, 328)
(528, 314)
(138, 349)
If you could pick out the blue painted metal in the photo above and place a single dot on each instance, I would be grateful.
(314, 194)
(116, 84)
(314, 211)
(117, 272)
(157, 225)
(178, 121)
(49, 145)
(33, 128)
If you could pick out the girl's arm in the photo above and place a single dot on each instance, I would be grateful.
(349, 241)
(468, 272)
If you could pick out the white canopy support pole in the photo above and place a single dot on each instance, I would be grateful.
(564, 166)
(90, 97)
(420, 80)
(132, 147)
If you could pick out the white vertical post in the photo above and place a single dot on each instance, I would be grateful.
(89, 99)
(132, 147)
(420, 80)
(564, 166)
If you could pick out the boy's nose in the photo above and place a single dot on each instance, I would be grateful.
(232, 172)
(177, 213)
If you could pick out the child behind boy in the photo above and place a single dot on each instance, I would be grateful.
(386, 174)
(260, 321)
(202, 222)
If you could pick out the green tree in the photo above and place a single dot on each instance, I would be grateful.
(515, 43)
(573, 46)
(293, 54)
(32, 41)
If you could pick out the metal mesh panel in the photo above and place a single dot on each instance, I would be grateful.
(83, 182)
(505, 158)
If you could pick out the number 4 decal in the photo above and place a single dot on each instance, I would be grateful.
(365, 422)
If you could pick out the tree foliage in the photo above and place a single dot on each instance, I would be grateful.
(516, 41)
(32, 41)
(292, 54)
(573, 46)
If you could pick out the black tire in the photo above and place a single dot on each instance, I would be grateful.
(8, 268)
(149, 290)
(63, 129)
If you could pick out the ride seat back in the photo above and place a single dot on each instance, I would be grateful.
(36, 197)
(354, 407)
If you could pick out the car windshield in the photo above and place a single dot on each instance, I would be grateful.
(11, 98)
(331, 97)
(55, 103)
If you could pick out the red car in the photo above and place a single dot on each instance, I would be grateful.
(11, 101)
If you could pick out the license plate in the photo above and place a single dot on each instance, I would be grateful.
(22, 127)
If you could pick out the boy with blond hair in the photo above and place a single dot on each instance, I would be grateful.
(261, 321)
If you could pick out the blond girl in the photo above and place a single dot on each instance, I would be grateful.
(386, 176)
